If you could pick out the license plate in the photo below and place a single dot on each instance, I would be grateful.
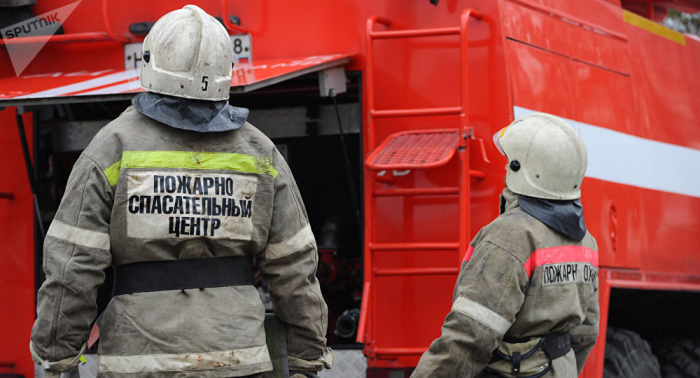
(242, 47)
(242, 51)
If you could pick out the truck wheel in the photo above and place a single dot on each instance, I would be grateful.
(627, 355)
(679, 358)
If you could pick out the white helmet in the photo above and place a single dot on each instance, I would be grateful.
(546, 158)
(188, 54)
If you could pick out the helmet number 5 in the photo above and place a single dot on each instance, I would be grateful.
(205, 82)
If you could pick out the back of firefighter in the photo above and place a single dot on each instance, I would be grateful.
(526, 300)
(179, 194)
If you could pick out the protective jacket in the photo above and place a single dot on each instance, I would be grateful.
(520, 280)
(145, 192)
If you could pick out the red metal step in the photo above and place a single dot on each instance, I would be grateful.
(415, 150)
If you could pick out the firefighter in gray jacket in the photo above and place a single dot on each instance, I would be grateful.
(526, 300)
(178, 194)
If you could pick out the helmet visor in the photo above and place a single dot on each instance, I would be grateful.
(496, 140)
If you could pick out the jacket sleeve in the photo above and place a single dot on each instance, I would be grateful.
(288, 264)
(76, 252)
(584, 336)
(489, 293)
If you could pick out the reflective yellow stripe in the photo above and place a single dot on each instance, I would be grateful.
(112, 173)
(653, 27)
(191, 160)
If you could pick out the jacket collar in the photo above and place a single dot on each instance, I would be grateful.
(563, 217)
(187, 114)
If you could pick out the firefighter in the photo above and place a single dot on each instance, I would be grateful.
(526, 299)
(178, 195)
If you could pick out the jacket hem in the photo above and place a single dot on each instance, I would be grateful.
(212, 373)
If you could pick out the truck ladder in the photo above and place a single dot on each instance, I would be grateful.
(423, 149)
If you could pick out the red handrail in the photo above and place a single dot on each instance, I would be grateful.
(108, 29)
(477, 174)
(370, 73)
(415, 112)
(416, 272)
(436, 32)
(464, 62)
(368, 301)
(73, 37)
(227, 22)
(415, 192)
(400, 351)
(410, 246)
(362, 323)
(7, 195)
(464, 192)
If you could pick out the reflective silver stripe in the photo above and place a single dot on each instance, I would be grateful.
(239, 358)
(291, 245)
(78, 236)
(481, 314)
(630, 160)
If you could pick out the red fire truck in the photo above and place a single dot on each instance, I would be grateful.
(418, 89)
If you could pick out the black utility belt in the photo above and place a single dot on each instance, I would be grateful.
(182, 274)
(529, 358)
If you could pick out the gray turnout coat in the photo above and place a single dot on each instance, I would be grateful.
(144, 191)
(520, 279)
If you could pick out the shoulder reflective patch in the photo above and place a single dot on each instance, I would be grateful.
(112, 173)
(291, 245)
(558, 255)
(182, 204)
(482, 315)
(78, 236)
(468, 255)
(153, 363)
(191, 160)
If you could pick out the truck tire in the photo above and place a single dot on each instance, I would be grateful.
(679, 358)
(627, 355)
